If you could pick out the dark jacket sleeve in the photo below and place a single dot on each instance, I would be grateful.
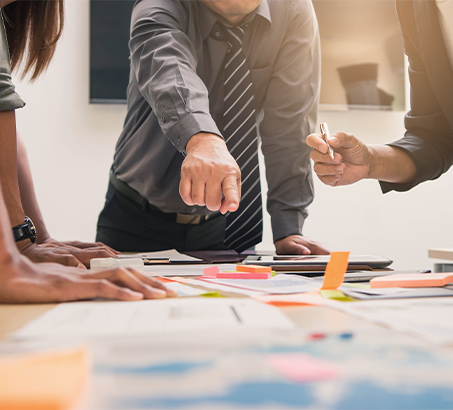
(163, 59)
(429, 136)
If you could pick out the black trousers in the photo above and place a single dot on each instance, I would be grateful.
(128, 226)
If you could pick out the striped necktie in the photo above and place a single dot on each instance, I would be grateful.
(244, 228)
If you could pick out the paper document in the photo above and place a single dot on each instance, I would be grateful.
(183, 270)
(428, 319)
(223, 288)
(395, 293)
(279, 284)
(184, 290)
(153, 316)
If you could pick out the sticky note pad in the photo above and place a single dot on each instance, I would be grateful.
(50, 381)
(412, 280)
(211, 272)
(253, 268)
(243, 275)
(335, 270)
(301, 367)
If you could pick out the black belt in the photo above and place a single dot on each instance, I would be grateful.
(132, 194)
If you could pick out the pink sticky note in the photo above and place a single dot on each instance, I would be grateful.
(210, 272)
(302, 368)
(243, 275)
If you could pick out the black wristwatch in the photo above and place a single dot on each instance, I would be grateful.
(25, 231)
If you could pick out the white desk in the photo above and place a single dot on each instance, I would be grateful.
(378, 369)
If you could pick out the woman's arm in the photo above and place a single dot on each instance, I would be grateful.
(27, 192)
(22, 281)
(8, 167)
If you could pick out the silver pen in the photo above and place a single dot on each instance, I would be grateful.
(326, 134)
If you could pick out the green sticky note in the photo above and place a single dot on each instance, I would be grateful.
(336, 295)
(212, 295)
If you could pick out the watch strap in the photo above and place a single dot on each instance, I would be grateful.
(25, 230)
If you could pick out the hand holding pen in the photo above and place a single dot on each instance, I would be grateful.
(325, 135)
(340, 159)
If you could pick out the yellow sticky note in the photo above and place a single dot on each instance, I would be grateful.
(335, 270)
(50, 381)
(336, 295)
(212, 295)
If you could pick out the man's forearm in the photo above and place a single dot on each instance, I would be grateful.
(8, 167)
(391, 164)
(27, 192)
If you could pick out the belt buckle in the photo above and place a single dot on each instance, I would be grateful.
(186, 219)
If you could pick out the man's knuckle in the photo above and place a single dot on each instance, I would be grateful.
(101, 285)
(68, 258)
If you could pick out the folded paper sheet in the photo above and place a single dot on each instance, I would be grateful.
(44, 381)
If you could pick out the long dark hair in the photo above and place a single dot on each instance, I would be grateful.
(33, 28)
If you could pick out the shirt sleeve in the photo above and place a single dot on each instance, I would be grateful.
(9, 99)
(290, 111)
(163, 59)
(429, 136)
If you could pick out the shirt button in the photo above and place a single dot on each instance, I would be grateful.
(178, 141)
(217, 33)
(193, 210)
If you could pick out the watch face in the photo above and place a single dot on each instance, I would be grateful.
(32, 228)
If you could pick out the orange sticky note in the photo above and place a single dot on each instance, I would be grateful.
(254, 268)
(46, 381)
(412, 280)
(335, 270)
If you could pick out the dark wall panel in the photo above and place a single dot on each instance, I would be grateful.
(109, 52)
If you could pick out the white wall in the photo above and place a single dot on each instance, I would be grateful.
(70, 145)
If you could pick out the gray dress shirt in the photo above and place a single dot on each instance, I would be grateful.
(9, 99)
(176, 91)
